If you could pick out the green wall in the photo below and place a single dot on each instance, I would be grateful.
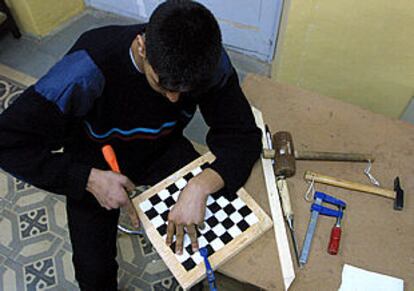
(360, 51)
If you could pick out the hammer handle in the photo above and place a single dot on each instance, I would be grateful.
(324, 156)
(348, 184)
(330, 156)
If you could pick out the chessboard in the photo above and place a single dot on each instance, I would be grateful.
(232, 222)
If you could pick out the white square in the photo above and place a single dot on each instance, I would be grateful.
(164, 194)
(223, 202)
(208, 214)
(234, 231)
(157, 221)
(217, 244)
(202, 242)
(145, 205)
(161, 207)
(181, 183)
(205, 229)
(251, 219)
(238, 203)
(219, 229)
(183, 257)
(186, 241)
(175, 195)
(210, 200)
(196, 171)
(197, 258)
(221, 215)
(236, 217)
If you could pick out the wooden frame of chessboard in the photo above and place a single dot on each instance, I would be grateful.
(185, 278)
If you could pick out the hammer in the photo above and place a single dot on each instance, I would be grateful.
(397, 195)
(285, 155)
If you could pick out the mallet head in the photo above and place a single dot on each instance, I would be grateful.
(284, 154)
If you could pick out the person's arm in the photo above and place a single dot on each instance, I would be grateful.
(35, 124)
(233, 136)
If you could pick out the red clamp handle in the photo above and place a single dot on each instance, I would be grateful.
(334, 241)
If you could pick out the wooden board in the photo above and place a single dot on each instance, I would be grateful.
(279, 226)
(374, 237)
(188, 278)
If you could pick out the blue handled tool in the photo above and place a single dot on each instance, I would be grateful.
(317, 209)
(209, 271)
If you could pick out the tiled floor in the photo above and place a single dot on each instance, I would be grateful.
(35, 251)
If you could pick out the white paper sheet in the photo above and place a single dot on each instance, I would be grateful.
(356, 279)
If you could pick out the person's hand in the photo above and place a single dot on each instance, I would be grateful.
(110, 190)
(189, 211)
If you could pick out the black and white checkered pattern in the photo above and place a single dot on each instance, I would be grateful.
(227, 216)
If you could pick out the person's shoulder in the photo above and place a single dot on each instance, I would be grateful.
(105, 37)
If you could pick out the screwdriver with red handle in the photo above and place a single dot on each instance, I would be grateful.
(335, 239)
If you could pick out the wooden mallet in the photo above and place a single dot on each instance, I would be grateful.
(397, 195)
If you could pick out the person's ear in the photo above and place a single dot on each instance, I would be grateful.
(141, 46)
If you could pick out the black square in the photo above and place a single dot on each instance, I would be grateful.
(162, 229)
(214, 207)
(205, 166)
(155, 199)
(189, 264)
(172, 188)
(172, 247)
(212, 221)
(226, 238)
(189, 249)
(169, 202)
(151, 213)
(229, 209)
(227, 223)
(231, 196)
(244, 211)
(188, 176)
(210, 250)
(243, 225)
(164, 215)
(210, 236)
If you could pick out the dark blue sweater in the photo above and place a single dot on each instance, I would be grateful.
(96, 96)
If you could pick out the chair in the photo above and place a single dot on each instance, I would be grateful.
(7, 22)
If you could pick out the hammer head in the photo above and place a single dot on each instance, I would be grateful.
(284, 154)
(399, 195)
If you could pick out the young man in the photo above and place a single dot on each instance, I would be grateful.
(135, 88)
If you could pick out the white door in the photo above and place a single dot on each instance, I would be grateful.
(248, 26)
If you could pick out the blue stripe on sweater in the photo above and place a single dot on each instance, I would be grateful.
(72, 84)
(131, 131)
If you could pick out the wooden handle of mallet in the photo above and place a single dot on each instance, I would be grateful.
(312, 176)
(324, 156)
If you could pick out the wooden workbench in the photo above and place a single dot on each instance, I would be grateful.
(375, 237)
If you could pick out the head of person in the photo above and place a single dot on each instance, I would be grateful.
(181, 47)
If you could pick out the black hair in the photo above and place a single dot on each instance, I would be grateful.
(183, 44)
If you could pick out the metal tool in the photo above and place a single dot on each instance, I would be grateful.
(397, 195)
(283, 190)
(110, 157)
(285, 155)
(317, 209)
(209, 271)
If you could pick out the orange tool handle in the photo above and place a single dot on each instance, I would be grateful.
(334, 241)
(110, 158)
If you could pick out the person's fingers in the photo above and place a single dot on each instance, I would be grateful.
(179, 234)
(170, 232)
(132, 213)
(192, 233)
